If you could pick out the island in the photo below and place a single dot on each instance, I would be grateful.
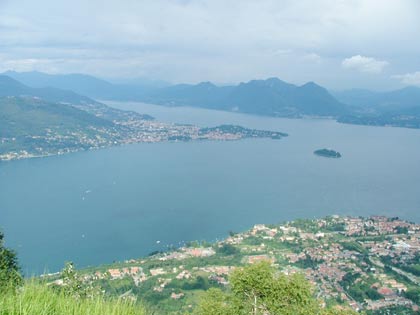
(328, 153)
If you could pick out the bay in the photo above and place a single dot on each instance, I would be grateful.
(124, 202)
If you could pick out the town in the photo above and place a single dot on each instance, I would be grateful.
(125, 127)
(367, 264)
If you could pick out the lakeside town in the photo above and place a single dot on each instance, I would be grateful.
(117, 128)
(370, 265)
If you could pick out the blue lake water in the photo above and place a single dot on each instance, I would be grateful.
(113, 204)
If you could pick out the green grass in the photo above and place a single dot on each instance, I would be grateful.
(39, 299)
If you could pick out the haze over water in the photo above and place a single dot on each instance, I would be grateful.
(114, 204)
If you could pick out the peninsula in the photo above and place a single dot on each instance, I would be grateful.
(34, 127)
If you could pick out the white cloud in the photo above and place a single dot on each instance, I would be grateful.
(364, 64)
(409, 78)
(219, 40)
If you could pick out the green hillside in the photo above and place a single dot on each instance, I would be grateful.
(365, 264)
(39, 127)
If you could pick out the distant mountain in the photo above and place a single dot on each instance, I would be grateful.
(271, 97)
(397, 100)
(83, 84)
(263, 97)
(205, 95)
(11, 87)
(399, 108)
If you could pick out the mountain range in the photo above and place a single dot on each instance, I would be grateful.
(264, 97)
(270, 97)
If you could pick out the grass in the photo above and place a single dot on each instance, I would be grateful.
(39, 299)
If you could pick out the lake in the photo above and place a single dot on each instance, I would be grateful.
(124, 202)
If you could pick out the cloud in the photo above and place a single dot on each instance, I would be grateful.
(409, 78)
(218, 40)
(364, 64)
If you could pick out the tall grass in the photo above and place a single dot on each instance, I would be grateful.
(39, 299)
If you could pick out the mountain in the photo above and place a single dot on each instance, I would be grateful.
(399, 108)
(397, 100)
(83, 84)
(11, 87)
(271, 97)
(204, 94)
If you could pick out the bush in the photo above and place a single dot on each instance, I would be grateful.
(258, 289)
(9, 268)
(227, 249)
(413, 295)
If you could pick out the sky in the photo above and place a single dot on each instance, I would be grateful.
(339, 44)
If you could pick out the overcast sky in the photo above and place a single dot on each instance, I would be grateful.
(337, 43)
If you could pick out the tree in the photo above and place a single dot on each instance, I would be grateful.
(227, 249)
(9, 267)
(257, 289)
(73, 284)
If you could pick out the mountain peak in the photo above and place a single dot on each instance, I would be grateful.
(11, 87)
(311, 84)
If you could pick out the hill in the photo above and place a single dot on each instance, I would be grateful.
(11, 87)
(84, 84)
(31, 126)
(45, 121)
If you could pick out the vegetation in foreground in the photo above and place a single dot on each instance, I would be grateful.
(39, 299)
